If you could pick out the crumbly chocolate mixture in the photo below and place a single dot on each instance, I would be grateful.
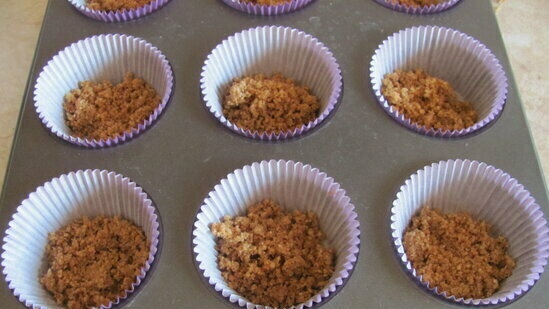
(91, 262)
(269, 104)
(416, 3)
(273, 257)
(101, 111)
(116, 5)
(267, 2)
(428, 101)
(457, 254)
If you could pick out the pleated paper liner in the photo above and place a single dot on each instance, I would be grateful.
(98, 58)
(59, 202)
(268, 50)
(488, 194)
(295, 186)
(469, 66)
(121, 15)
(419, 10)
(268, 10)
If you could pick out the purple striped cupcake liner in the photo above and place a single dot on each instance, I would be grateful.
(296, 186)
(98, 58)
(419, 10)
(267, 10)
(121, 15)
(268, 50)
(464, 62)
(59, 202)
(488, 194)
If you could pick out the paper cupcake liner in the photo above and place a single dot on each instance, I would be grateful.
(268, 10)
(268, 50)
(428, 9)
(118, 16)
(295, 186)
(59, 202)
(490, 195)
(99, 58)
(470, 67)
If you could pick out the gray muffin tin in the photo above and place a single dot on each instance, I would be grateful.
(187, 152)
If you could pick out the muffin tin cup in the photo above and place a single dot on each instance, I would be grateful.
(294, 186)
(98, 58)
(267, 10)
(118, 16)
(59, 202)
(471, 68)
(421, 10)
(488, 194)
(268, 50)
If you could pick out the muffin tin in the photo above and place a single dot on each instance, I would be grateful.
(186, 152)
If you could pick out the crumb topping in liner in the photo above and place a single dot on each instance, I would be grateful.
(428, 101)
(267, 2)
(116, 5)
(101, 111)
(273, 257)
(93, 261)
(416, 3)
(457, 254)
(269, 104)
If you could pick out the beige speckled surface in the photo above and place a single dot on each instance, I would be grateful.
(524, 25)
(525, 29)
(23, 18)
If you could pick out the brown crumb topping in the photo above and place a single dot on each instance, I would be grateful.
(427, 100)
(116, 5)
(416, 3)
(269, 104)
(267, 2)
(273, 257)
(101, 111)
(91, 262)
(457, 254)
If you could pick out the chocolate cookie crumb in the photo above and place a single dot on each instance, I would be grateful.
(267, 2)
(272, 257)
(101, 111)
(416, 3)
(456, 253)
(269, 104)
(91, 262)
(116, 5)
(428, 101)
